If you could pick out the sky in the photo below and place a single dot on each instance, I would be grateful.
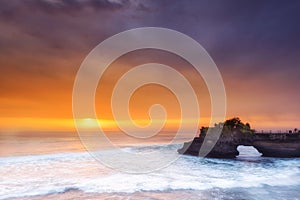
(255, 45)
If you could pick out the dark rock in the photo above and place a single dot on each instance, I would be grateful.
(235, 133)
(278, 149)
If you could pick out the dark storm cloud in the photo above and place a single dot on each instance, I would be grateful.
(10, 8)
(258, 32)
(232, 31)
(263, 35)
(42, 18)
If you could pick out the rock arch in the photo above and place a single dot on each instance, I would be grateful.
(283, 145)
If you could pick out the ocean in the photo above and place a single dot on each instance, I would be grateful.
(77, 175)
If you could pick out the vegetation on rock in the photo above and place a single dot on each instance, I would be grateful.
(230, 127)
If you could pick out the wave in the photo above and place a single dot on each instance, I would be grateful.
(59, 173)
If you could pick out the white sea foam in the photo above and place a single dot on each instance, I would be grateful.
(56, 173)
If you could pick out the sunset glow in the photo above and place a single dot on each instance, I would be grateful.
(38, 67)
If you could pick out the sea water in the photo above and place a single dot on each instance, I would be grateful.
(249, 176)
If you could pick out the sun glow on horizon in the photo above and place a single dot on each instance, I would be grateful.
(27, 124)
(68, 124)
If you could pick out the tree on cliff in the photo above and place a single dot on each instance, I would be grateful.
(230, 127)
(235, 125)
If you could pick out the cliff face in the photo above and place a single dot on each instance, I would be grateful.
(224, 148)
(268, 144)
(283, 145)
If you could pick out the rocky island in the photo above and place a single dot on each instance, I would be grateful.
(235, 133)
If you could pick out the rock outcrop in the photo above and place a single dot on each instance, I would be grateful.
(235, 133)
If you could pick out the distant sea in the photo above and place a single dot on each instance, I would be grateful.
(58, 168)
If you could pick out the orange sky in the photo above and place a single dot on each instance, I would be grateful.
(37, 101)
(41, 53)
